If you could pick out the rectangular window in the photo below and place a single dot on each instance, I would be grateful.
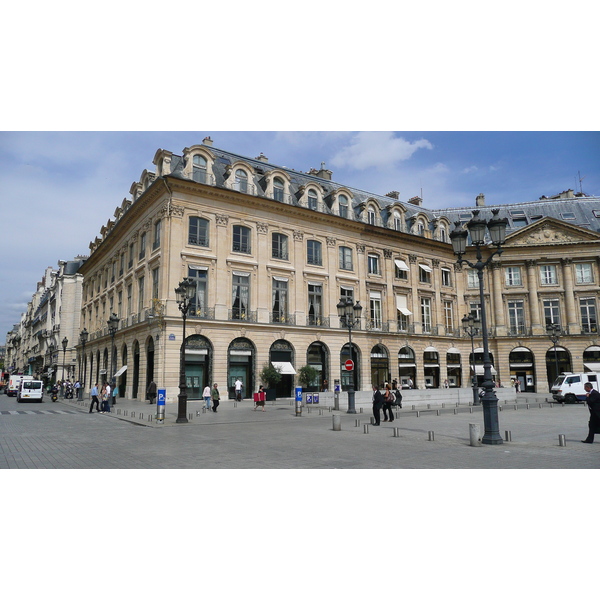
(472, 278)
(313, 253)
(141, 281)
(315, 304)
(129, 299)
(448, 316)
(347, 293)
(375, 310)
(113, 271)
(551, 312)
(198, 232)
(373, 264)
(240, 304)
(198, 303)
(516, 317)
(142, 246)
(513, 276)
(279, 246)
(371, 217)
(131, 253)
(241, 239)
(446, 278)
(157, 228)
(401, 269)
(426, 314)
(425, 273)
(279, 300)
(121, 265)
(548, 275)
(346, 258)
(589, 323)
(584, 273)
(120, 303)
(402, 312)
(475, 310)
(155, 283)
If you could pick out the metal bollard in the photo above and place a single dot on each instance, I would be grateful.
(365, 428)
(356, 422)
(455, 411)
(527, 406)
(396, 431)
(438, 412)
(470, 409)
(321, 411)
(428, 406)
(160, 412)
(337, 422)
(190, 417)
(330, 408)
(500, 408)
(372, 420)
(417, 413)
(561, 440)
(515, 407)
(474, 434)
(431, 436)
(413, 407)
(551, 404)
(360, 410)
(132, 414)
(308, 410)
(540, 405)
(508, 436)
(298, 408)
(443, 405)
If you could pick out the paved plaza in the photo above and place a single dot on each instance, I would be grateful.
(64, 435)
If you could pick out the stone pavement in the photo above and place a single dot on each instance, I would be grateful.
(64, 435)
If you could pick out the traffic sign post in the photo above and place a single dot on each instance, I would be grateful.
(160, 405)
(349, 364)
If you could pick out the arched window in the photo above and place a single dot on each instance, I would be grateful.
(199, 168)
(241, 181)
(371, 217)
(313, 200)
(343, 206)
(278, 189)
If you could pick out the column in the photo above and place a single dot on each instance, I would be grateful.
(567, 272)
(534, 309)
(499, 318)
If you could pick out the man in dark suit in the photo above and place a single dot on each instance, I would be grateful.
(377, 404)
(593, 402)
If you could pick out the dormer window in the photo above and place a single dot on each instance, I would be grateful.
(313, 200)
(397, 221)
(371, 217)
(278, 189)
(343, 206)
(241, 181)
(199, 169)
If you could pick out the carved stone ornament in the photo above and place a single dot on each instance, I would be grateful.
(331, 241)
(222, 220)
(298, 235)
(262, 228)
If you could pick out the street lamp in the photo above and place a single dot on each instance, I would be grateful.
(113, 325)
(350, 318)
(553, 331)
(83, 338)
(477, 229)
(471, 326)
(185, 292)
(64, 343)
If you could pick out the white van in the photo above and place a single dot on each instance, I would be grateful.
(568, 387)
(15, 383)
(32, 390)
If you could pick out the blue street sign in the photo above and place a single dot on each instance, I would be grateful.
(162, 397)
(315, 398)
(298, 394)
(309, 398)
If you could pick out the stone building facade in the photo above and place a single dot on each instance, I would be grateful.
(271, 251)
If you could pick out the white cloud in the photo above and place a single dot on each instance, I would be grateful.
(379, 149)
(471, 169)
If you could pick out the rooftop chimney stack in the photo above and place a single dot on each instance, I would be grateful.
(480, 200)
(207, 141)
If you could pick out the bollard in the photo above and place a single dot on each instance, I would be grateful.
(330, 408)
(455, 411)
(508, 436)
(417, 413)
(298, 408)
(356, 422)
(474, 435)
(431, 436)
(515, 407)
(234, 404)
(396, 431)
(372, 420)
(337, 422)
(365, 428)
(551, 404)
(321, 411)
(308, 410)
(413, 407)
(132, 414)
(160, 412)
(428, 406)
(443, 405)
(190, 417)
(561, 440)
(527, 406)
(438, 412)
(470, 409)
(500, 408)
(360, 410)
(540, 405)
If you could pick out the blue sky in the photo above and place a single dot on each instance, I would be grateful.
(59, 188)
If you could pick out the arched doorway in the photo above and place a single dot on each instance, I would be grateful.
(317, 356)
(591, 359)
(136, 369)
(477, 359)
(380, 366)
(431, 367)
(558, 360)
(407, 368)
(198, 361)
(520, 361)
(349, 378)
(241, 357)
(123, 384)
(98, 380)
(150, 361)
(453, 368)
(281, 356)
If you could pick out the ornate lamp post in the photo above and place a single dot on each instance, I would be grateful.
(64, 343)
(471, 326)
(185, 292)
(83, 338)
(477, 230)
(350, 318)
(113, 325)
(553, 331)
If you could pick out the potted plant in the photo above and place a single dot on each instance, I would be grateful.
(270, 376)
(308, 378)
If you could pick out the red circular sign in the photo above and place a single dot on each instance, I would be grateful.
(349, 364)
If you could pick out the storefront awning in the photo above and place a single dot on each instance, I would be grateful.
(121, 371)
(406, 365)
(592, 366)
(453, 351)
(479, 370)
(285, 368)
(520, 365)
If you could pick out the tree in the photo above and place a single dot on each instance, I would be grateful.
(307, 376)
(270, 375)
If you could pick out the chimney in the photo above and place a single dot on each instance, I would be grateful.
(323, 173)
(207, 141)
(416, 200)
(480, 200)
(394, 195)
(262, 158)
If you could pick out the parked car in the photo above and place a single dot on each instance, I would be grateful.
(15, 383)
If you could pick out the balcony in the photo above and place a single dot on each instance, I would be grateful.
(236, 314)
(377, 325)
(518, 330)
(202, 313)
(317, 321)
(279, 317)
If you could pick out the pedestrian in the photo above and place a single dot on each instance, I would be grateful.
(78, 390)
(325, 387)
(259, 399)
(238, 389)
(206, 396)
(388, 400)
(517, 385)
(115, 393)
(151, 392)
(105, 396)
(215, 396)
(377, 404)
(409, 383)
(94, 395)
(593, 402)
(397, 394)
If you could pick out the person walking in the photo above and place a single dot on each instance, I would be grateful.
(151, 392)
(388, 400)
(94, 395)
(206, 396)
(105, 395)
(78, 390)
(593, 402)
(238, 389)
(215, 396)
(377, 404)
(260, 398)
